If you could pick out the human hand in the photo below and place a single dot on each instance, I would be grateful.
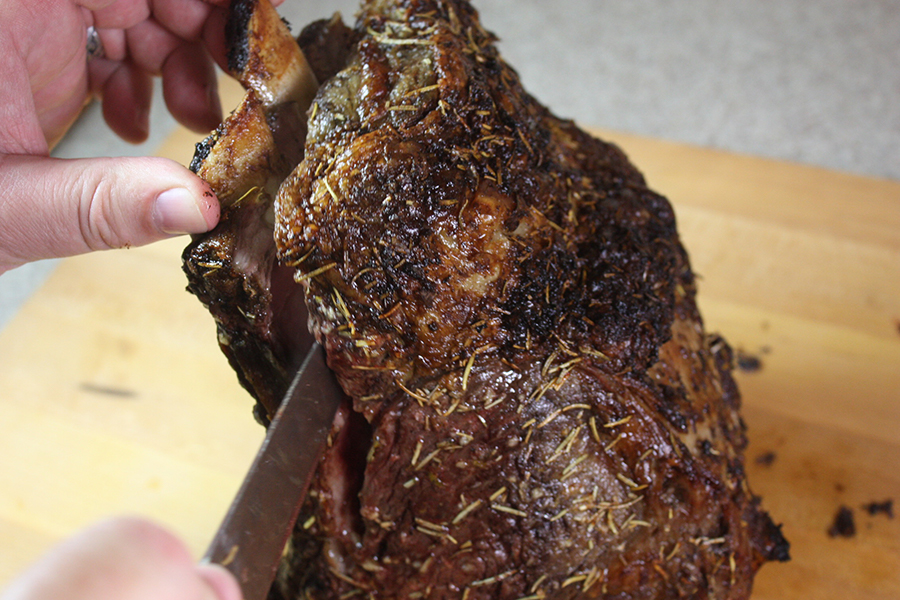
(50, 207)
(122, 559)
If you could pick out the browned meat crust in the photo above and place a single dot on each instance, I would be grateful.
(510, 308)
(536, 409)
(232, 270)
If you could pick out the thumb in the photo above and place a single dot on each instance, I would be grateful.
(53, 207)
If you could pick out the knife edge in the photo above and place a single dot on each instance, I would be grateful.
(251, 539)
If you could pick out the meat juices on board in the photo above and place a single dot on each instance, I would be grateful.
(534, 409)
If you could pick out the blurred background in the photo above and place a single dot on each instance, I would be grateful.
(809, 81)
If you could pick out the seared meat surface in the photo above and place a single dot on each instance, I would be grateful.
(535, 410)
(233, 269)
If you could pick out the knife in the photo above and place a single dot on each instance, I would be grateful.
(252, 537)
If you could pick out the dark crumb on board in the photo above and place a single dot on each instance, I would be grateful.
(843, 525)
(747, 362)
(839, 487)
(883, 508)
(107, 391)
(897, 325)
(766, 459)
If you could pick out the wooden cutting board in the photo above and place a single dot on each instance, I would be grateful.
(115, 399)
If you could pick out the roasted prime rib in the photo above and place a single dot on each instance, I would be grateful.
(534, 408)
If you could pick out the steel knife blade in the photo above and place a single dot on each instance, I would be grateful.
(251, 538)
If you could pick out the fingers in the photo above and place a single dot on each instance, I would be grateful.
(121, 14)
(214, 37)
(150, 44)
(184, 18)
(122, 559)
(156, 37)
(127, 93)
(190, 88)
(115, 44)
(54, 208)
(189, 78)
(152, 37)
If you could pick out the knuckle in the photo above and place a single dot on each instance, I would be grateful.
(97, 218)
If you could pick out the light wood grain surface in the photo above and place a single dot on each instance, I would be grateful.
(115, 399)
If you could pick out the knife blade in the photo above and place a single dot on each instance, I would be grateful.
(252, 536)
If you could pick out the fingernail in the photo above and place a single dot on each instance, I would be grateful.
(176, 211)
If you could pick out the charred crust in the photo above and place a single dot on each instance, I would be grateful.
(723, 358)
(604, 282)
(766, 459)
(260, 415)
(844, 524)
(201, 152)
(748, 363)
(779, 548)
(885, 507)
(538, 411)
(672, 407)
(237, 30)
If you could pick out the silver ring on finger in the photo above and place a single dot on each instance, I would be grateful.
(94, 45)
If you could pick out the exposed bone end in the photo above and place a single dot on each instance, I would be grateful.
(240, 155)
(259, 310)
(265, 57)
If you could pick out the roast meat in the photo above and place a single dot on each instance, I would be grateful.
(534, 408)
